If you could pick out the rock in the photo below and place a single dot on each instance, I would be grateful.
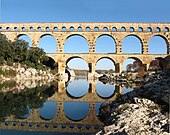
(27, 74)
(140, 111)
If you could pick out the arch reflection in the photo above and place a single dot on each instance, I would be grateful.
(48, 110)
(105, 91)
(77, 88)
(76, 111)
(22, 112)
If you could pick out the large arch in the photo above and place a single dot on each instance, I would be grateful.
(76, 44)
(158, 45)
(105, 64)
(132, 44)
(25, 38)
(133, 64)
(105, 44)
(81, 63)
(48, 43)
(50, 63)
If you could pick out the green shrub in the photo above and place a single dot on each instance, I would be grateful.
(8, 73)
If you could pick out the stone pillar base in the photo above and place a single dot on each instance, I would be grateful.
(92, 76)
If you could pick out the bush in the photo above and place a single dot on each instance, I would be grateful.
(8, 73)
(10, 62)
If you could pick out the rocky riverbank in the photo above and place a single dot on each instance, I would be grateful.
(16, 78)
(18, 73)
(143, 111)
(127, 77)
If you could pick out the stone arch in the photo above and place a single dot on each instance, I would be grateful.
(106, 58)
(96, 29)
(106, 63)
(23, 29)
(49, 40)
(157, 29)
(79, 37)
(138, 48)
(76, 57)
(166, 29)
(26, 38)
(79, 28)
(158, 37)
(123, 29)
(114, 29)
(87, 28)
(105, 29)
(16, 29)
(149, 29)
(72, 28)
(8, 29)
(108, 50)
(39, 28)
(140, 29)
(50, 63)
(133, 59)
(132, 29)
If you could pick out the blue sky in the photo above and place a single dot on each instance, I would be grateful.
(85, 10)
(88, 11)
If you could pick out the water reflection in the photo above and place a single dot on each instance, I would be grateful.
(126, 90)
(76, 111)
(97, 107)
(48, 110)
(105, 91)
(58, 107)
(78, 88)
(24, 112)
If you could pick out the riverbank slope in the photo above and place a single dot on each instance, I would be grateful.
(140, 112)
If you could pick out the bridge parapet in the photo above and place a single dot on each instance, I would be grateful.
(131, 27)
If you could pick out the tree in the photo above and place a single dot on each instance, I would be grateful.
(20, 52)
(130, 68)
(21, 49)
(154, 65)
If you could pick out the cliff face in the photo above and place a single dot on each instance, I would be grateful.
(142, 111)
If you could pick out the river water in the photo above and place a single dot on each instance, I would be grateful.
(58, 108)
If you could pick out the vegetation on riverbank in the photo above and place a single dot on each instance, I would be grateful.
(19, 52)
(18, 104)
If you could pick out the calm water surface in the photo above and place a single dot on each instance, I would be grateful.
(61, 108)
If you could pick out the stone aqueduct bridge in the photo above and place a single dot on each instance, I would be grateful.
(91, 32)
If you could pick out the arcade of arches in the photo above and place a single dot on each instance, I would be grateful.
(92, 32)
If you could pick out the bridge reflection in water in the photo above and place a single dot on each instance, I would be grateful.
(65, 105)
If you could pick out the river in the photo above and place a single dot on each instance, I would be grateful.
(59, 108)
